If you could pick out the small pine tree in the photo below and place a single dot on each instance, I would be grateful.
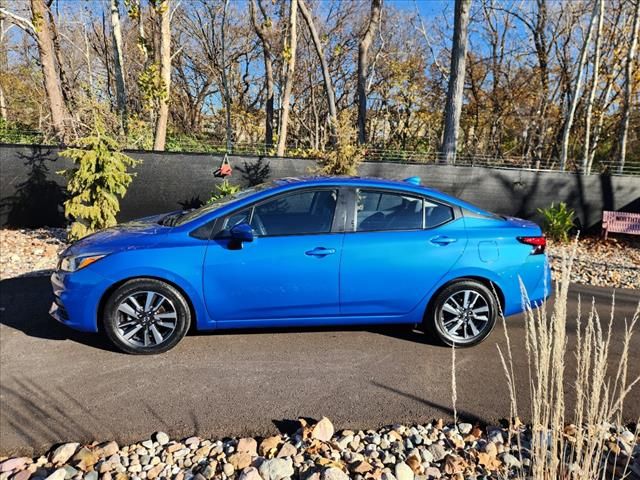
(94, 186)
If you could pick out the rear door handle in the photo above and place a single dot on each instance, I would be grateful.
(320, 252)
(443, 240)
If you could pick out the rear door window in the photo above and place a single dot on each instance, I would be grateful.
(378, 211)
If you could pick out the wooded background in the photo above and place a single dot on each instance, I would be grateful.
(546, 84)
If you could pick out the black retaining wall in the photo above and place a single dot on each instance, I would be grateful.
(31, 191)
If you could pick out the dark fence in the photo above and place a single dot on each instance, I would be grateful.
(31, 191)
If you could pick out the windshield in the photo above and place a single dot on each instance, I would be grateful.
(216, 204)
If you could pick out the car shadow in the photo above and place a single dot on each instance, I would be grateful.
(25, 302)
(24, 306)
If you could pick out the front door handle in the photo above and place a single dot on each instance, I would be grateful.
(320, 252)
(442, 240)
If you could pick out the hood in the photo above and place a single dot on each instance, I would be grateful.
(143, 232)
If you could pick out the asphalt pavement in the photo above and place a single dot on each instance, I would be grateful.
(58, 385)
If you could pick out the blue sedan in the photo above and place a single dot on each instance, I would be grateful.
(304, 252)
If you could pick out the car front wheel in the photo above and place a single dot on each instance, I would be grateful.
(462, 314)
(146, 316)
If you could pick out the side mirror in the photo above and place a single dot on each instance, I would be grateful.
(241, 233)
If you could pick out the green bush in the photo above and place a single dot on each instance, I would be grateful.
(557, 221)
(95, 184)
(224, 189)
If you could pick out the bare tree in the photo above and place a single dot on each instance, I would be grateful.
(363, 67)
(326, 76)
(4, 61)
(455, 89)
(629, 74)
(164, 11)
(261, 31)
(52, 84)
(593, 89)
(291, 66)
(576, 90)
(118, 62)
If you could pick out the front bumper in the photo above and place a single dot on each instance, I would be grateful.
(77, 298)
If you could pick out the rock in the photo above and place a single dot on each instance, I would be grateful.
(387, 475)
(491, 449)
(86, 459)
(269, 444)
(13, 464)
(250, 473)
(210, 470)
(71, 472)
(495, 436)
(228, 469)
(334, 473)
(426, 455)
(323, 430)
(362, 467)
(162, 438)
(59, 474)
(247, 445)
(22, 475)
(63, 453)
(287, 450)
(276, 469)
(108, 448)
(511, 461)
(437, 451)
(403, 472)
(414, 463)
(465, 428)
(432, 472)
(192, 442)
(240, 460)
(147, 444)
(92, 475)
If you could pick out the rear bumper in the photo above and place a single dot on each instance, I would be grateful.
(76, 299)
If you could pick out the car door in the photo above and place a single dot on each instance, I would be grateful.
(290, 271)
(396, 249)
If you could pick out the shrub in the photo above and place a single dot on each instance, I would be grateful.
(94, 186)
(557, 221)
(224, 189)
(565, 442)
(347, 155)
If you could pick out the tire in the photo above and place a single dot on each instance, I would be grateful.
(145, 316)
(462, 327)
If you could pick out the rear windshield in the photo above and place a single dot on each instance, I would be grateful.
(215, 205)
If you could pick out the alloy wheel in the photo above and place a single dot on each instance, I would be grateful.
(464, 316)
(146, 319)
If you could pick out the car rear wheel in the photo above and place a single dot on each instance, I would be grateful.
(462, 314)
(146, 316)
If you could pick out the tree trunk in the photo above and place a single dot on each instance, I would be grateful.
(286, 98)
(4, 65)
(225, 81)
(121, 92)
(455, 89)
(363, 68)
(575, 94)
(268, 72)
(164, 9)
(57, 106)
(592, 92)
(626, 110)
(326, 76)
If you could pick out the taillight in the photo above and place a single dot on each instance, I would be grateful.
(538, 243)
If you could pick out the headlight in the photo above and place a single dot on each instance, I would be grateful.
(72, 264)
